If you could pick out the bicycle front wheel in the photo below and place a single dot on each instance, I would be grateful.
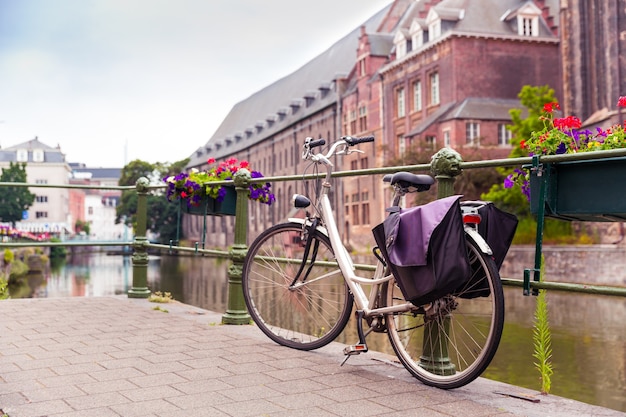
(297, 302)
(450, 342)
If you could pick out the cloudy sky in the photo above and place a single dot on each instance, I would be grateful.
(110, 81)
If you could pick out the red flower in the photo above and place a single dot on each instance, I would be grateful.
(244, 164)
(210, 161)
(621, 102)
(569, 122)
(550, 107)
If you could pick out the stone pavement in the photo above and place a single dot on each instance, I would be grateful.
(114, 356)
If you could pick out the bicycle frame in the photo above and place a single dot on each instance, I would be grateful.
(363, 301)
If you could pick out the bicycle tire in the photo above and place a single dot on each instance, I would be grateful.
(305, 318)
(474, 328)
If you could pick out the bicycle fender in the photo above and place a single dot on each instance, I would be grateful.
(321, 229)
(478, 239)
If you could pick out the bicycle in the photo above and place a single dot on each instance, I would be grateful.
(300, 284)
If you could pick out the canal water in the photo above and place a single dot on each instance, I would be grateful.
(588, 332)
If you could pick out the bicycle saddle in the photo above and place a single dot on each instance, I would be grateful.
(405, 180)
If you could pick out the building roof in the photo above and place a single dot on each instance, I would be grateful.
(473, 108)
(100, 173)
(287, 94)
(50, 154)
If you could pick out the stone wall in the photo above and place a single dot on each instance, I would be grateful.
(587, 264)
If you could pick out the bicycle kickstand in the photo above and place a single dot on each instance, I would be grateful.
(360, 347)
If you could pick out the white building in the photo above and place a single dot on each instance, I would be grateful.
(47, 166)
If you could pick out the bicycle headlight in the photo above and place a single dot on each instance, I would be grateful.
(300, 201)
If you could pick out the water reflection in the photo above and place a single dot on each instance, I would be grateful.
(589, 341)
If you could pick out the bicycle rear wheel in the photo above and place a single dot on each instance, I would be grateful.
(304, 314)
(451, 343)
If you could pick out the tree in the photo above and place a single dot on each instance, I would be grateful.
(14, 200)
(162, 214)
(533, 98)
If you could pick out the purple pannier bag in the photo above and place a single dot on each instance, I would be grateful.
(425, 250)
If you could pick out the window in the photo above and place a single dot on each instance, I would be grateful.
(504, 135)
(89, 210)
(401, 145)
(434, 88)
(417, 95)
(38, 155)
(22, 155)
(41, 181)
(365, 213)
(401, 111)
(418, 39)
(434, 29)
(353, 122)
(355, 214)
(362, 67)
(354, 165)
(362, 118)
(446, 138)
(528, 25)
(41, 214)
(431, 142)
(364, 163)
(41, 198)
(472, 132)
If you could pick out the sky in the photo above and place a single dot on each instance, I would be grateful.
(111, 81)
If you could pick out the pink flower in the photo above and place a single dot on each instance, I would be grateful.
(621, 102)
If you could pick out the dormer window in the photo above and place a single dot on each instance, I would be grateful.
(417, 33)
(434, 29)
(38, 155)
(402, 43)
(526, 17)
(528, 25)
(259, 126)
(309, 98)
(22, 155)
(295, 105)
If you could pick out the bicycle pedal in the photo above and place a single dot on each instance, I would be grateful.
(355, 349)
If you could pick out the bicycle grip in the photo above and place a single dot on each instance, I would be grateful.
(351, 141)
(315, 143)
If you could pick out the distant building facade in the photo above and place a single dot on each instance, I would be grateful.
(99, 207)
(50, 213)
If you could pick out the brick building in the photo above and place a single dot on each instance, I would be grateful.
(420, 73)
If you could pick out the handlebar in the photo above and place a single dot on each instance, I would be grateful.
(339, 147)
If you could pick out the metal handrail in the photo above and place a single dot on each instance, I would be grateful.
(140, 244)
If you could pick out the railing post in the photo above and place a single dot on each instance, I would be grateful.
(236, 312)
(140, 253)
(445, 166)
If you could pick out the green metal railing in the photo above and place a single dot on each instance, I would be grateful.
(446, 166)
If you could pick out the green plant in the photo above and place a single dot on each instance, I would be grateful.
(562, 135)
(158, 308)
(9, 256)
(4, 288)
(192, 186)
(159, 297)
(542, 339)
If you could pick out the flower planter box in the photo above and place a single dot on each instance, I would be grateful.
(212, 207)
(591, 190)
